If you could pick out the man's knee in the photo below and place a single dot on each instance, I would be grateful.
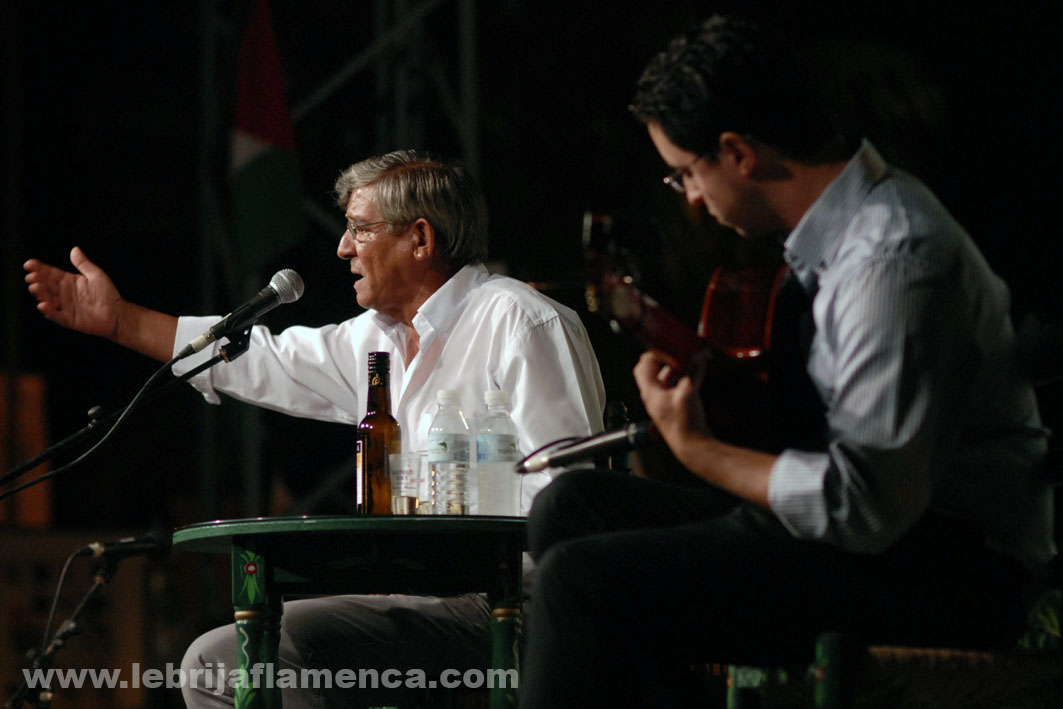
(206, 666)
(554, 567)
(211, 649)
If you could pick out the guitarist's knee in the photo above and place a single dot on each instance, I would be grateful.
(565, 508)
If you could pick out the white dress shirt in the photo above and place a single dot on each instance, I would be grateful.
(477, 332)
(914, 357)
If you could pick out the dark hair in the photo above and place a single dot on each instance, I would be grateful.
(729, 74)
(410, 185)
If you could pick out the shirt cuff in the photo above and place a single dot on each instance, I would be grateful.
(189, 328)
(796, 493)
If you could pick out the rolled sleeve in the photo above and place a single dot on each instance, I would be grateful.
(795, 492)
(189, 328)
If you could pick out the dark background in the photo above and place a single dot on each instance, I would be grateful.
(105, 122)
(104, 118)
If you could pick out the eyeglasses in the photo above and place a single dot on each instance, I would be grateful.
(362, 233)
(674, 179)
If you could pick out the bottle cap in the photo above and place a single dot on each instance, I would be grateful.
(496, 397)
(448, 396)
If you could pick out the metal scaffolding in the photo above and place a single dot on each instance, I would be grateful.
(401, 77)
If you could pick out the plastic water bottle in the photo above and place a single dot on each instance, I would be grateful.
(448, 456)
(497, 453)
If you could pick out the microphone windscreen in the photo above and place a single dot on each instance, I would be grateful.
(288, 284)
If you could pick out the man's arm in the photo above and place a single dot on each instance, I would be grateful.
(672, 403)
(89, 302)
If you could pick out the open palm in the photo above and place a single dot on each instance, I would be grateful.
(86, 301)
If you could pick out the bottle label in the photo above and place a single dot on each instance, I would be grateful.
(495, 447)
(359, 478)
(448, 448)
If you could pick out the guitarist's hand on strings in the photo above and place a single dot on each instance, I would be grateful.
(670, 395)
(671, 398)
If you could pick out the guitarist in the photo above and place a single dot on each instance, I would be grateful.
(918, 520)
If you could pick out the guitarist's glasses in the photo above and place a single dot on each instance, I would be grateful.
(674, 179)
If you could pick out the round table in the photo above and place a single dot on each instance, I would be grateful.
(274, 557)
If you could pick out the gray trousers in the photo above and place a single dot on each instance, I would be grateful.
(407, 635)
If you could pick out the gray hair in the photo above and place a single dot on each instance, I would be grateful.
(409, 185)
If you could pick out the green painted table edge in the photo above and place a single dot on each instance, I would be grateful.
(215, 536)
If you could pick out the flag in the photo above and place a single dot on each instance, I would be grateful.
(266, 191)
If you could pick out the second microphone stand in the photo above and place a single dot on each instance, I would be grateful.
(41, 695)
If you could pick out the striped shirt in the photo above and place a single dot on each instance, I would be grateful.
(914, 358)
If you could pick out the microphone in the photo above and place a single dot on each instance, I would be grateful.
(632, 436)
(285, 287)
(152, 545)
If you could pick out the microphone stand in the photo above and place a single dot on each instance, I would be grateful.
(237, 345)
(41, 697)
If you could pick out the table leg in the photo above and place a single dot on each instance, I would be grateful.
(505, 637)
(505, 600)
(257, 617)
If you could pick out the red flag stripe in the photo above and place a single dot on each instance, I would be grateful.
(261, 106)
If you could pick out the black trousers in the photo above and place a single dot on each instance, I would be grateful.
(637, 579)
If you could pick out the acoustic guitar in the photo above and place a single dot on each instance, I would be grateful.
(755, 388)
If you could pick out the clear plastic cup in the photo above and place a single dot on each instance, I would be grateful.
(405, 483)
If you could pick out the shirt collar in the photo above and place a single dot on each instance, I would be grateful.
(440, 311)
(814, 242)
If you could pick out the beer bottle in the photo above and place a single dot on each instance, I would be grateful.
(378, 436)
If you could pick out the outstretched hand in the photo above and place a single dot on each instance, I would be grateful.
(86, 301)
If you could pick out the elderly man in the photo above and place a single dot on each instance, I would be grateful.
(416, 238)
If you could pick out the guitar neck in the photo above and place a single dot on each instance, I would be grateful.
(660, 330)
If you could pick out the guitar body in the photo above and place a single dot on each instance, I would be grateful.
(737, 324)
(738, 312)
(753, 337)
